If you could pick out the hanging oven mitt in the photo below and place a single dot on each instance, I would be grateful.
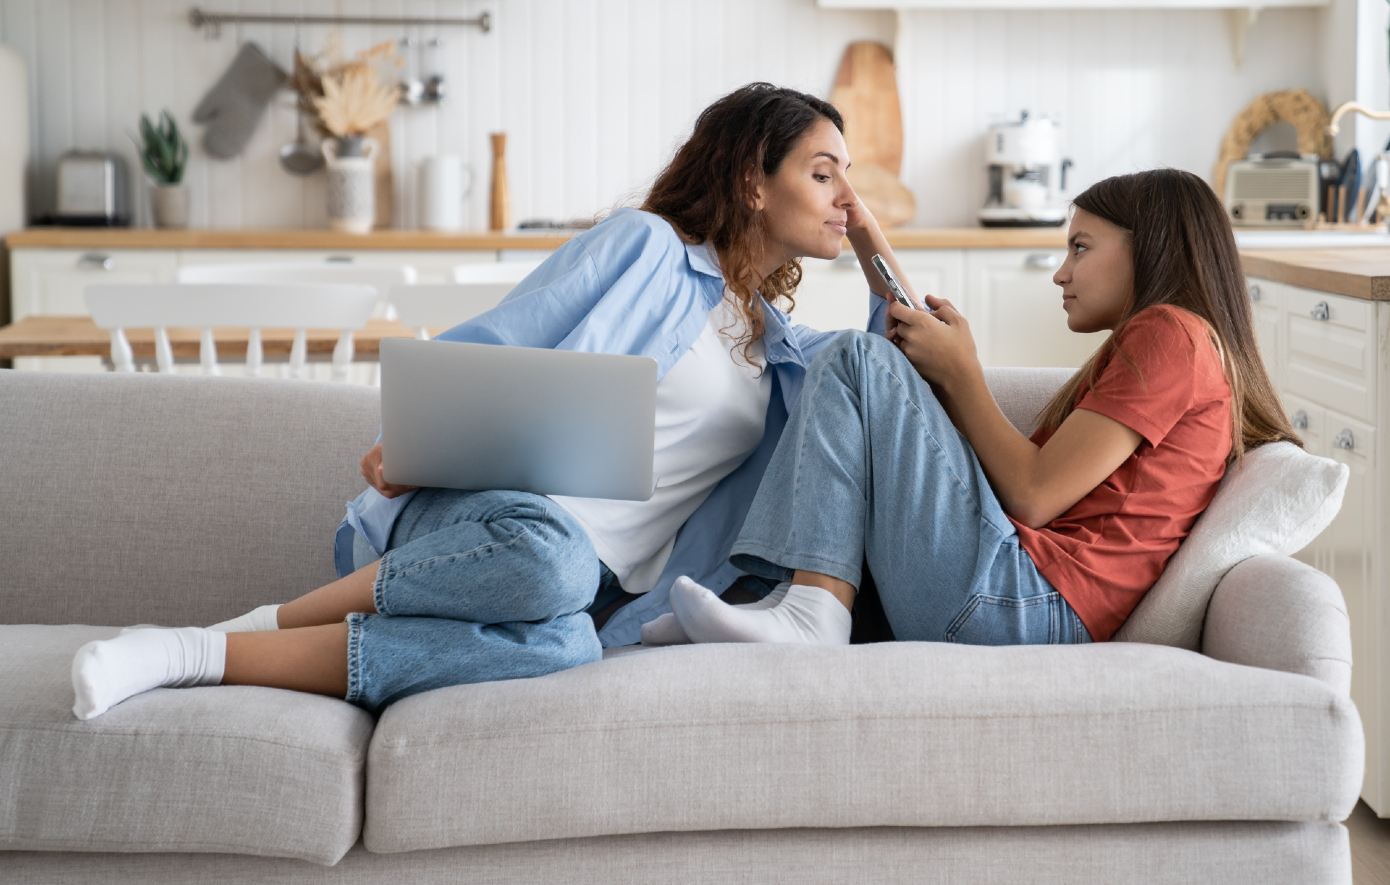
(235, 105)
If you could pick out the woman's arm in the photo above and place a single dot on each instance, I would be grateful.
(868, 240)
(1035, 485)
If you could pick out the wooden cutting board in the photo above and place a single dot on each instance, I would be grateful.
(866, 94)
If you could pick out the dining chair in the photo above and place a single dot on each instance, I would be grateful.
(117, 307)
(379, 276)
(477, 288)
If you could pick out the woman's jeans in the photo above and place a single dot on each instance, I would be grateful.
(870, 468)
(474, 587)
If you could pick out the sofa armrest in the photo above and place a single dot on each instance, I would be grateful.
(1277, 613)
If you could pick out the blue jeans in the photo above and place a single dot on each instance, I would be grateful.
(870, 468)
(474, 587)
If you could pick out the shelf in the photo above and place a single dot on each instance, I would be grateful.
(906, 5)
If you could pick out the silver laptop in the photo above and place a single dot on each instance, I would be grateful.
(485, 416)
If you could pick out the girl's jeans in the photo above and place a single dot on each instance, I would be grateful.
(474, 587)
(871, 468)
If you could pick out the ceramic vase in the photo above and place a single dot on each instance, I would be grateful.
(351, 183)
(169, 205)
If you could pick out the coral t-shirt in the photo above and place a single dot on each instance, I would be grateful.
(1104, 553)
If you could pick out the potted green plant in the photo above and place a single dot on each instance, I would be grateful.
(164, 153)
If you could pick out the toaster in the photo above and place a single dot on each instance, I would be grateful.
(92, 189)
(1272, 192)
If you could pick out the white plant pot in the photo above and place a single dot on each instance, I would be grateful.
(169, 205)
(351, 187)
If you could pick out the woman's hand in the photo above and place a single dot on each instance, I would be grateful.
(938, 344)
(372, 472)
(859, 217)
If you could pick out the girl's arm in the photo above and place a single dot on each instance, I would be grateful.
(1035, 485)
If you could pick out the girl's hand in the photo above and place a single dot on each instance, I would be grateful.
(938, 344)
(372, 473)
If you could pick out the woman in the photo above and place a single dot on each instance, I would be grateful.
(898, 455)
(440, 587)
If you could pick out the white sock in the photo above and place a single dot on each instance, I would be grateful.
(108, 671)
(806, 614)
(263, 618)
(667, 630)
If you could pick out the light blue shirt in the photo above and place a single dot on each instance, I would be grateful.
(630, 285)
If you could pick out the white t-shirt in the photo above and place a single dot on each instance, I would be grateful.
(711, 407)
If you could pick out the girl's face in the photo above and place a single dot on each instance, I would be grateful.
(806, 202)
(1097, 279)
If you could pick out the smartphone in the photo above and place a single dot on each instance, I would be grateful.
(899, 293)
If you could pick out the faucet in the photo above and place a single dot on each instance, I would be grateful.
(1348, 106)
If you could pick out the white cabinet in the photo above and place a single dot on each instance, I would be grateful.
(50, 281)
(1325, 356)
(1015, 310)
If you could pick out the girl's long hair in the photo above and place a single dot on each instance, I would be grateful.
(707, 190)
(1184, 255)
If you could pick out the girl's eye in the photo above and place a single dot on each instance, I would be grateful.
(1080, 248)
(821, 177)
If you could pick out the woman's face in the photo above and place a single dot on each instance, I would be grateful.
(1097, 279)
(806, 202)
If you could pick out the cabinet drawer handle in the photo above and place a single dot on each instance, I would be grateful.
(1254, 292)
(1041, 261)
(1321, 311)
(1299, 420)
(339, 259)
(1344, 440)
(96, 261)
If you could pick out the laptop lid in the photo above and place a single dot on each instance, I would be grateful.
(487, 416)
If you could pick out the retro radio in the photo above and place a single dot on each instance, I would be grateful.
(1272, 192)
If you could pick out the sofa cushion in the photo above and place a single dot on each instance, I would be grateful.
(229, 769)
(171, 499)
(712, 737)
(1276, 500)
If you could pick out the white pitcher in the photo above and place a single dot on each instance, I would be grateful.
(444, 183)
(351, 183)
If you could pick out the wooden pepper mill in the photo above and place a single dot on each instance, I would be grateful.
(501, 200)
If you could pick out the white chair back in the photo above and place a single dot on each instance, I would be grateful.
(379, 276)
(117, 307)
(494, 272)
(448, 304)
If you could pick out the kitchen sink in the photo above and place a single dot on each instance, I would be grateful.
(1307, 239)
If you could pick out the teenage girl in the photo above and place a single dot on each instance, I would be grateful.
(896, 454)
(439, 587)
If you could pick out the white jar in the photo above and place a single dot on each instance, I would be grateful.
(351, 187)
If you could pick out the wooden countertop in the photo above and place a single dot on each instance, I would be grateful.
(1362, 272)
(418, 240)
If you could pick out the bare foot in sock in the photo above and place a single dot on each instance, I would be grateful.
(667, 630)
(264, 618)
(806, 615)
(108, 671)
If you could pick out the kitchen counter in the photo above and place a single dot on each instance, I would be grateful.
(1355, 272)
(413, 240)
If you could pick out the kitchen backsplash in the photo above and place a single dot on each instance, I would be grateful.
(594, 94)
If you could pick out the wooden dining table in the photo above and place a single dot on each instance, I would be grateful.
(79, 336)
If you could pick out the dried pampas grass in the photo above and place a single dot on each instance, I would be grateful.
(354, 101)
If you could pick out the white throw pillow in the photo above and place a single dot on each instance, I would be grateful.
(1276, 500)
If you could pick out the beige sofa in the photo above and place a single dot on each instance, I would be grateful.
(143, 499)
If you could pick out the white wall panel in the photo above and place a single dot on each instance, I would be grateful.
(594, 95)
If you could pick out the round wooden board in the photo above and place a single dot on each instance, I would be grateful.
(866, 95)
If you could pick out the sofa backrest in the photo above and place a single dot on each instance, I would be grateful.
(169, 499)
(187, 500)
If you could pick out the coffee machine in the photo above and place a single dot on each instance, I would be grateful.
(1024, 157)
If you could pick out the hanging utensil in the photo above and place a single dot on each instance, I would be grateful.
(299, 157)
(434, 86)
(412, 88)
